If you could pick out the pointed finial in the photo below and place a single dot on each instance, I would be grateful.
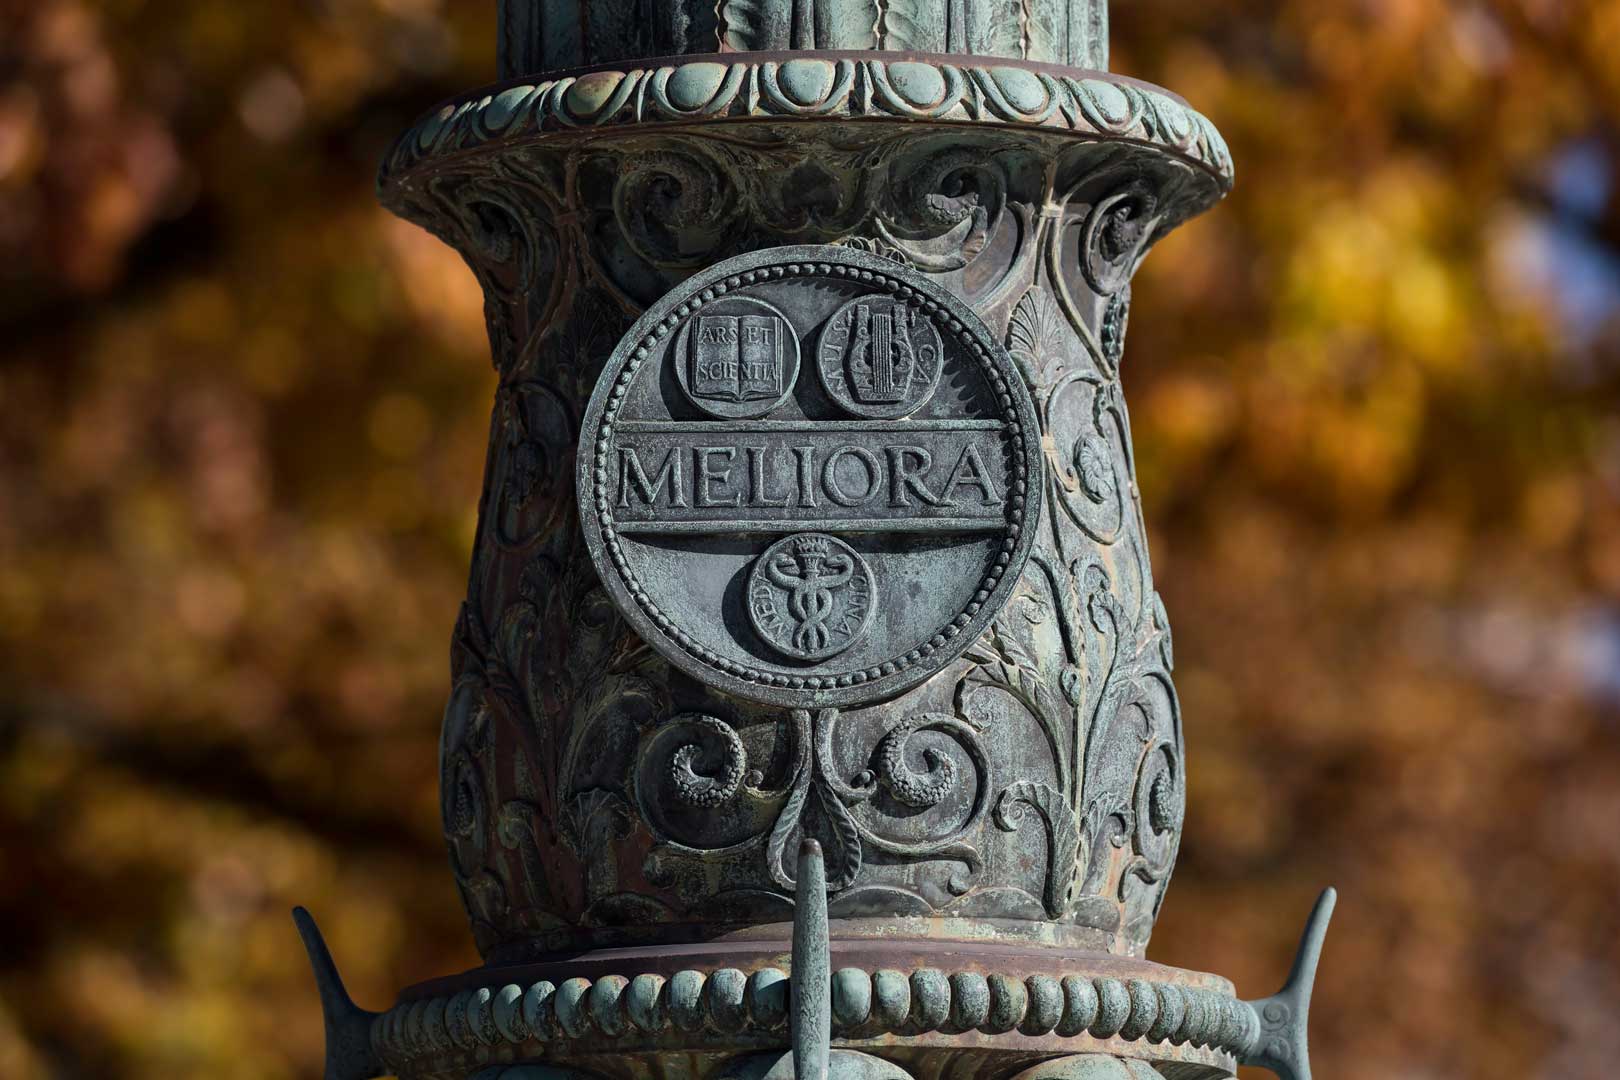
(811, 981)
(1281, 1044)
(349, 1055)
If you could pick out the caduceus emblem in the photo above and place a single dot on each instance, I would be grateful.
(811, 596)
(810, 571)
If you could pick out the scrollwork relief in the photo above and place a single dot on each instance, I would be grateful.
(674, 206)
(1062, 836)
(534, 449)
(1117, 233)
(503, 228)
(944, 207)
(1112, 819)
(708, 790)
(755, 826)
(916, 788)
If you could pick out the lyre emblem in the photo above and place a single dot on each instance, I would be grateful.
(881, 359)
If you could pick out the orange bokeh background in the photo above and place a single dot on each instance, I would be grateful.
(242, 423)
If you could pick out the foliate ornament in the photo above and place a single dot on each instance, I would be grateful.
(708, 789)
(517, 826)
(1164, 809)
(810, 541)
(916, 789)
(535, 438)
(945, 207)
(809, 478)
(1062, 838)
(675, 207)
(510, 242)
(464, 813)
(1158, 808)
(1038, 338)
(822, 803)
(877, 246)
(1116, 319)
(653, 98)
(1094, 464)
(592, 820)
(538, 36)
(708, 817)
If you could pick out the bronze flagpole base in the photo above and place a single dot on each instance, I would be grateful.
(812, 706)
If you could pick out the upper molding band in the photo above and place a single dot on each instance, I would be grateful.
(1093, 105)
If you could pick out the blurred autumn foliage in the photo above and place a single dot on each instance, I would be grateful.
(242, 423)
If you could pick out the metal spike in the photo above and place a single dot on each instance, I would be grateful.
(1280, 1043)
(349, 1055)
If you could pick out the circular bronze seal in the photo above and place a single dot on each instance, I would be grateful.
(880, 357)
(811, 541)
(811, 596)
(738, 359)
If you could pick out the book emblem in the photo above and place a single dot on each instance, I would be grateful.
(737, 358)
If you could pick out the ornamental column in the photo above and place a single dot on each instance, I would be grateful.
(811, 706)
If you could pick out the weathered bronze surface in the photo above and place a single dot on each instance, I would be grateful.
(811, 657)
